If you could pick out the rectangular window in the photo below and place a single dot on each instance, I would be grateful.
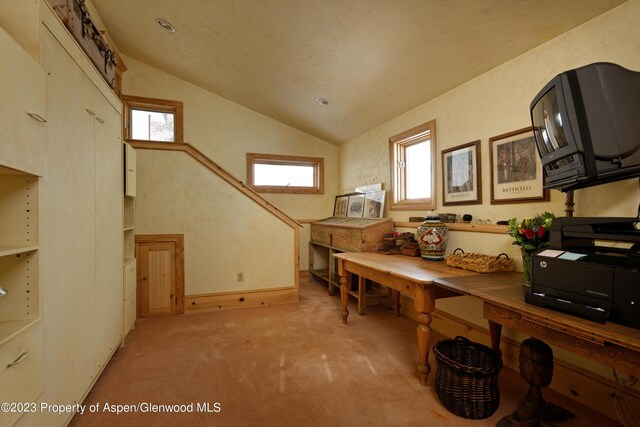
(413, 168)
(268, 173)
(152, 120)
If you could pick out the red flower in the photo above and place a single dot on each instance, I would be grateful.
(529, 234)
(540, 232)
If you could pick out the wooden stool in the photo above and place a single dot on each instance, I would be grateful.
(536, 367)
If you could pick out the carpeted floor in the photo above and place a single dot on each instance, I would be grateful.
(288, 365)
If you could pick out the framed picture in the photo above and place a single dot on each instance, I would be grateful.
(461, 175)
(374, 204)
(340, 206)
(516, 171)
(356, 206)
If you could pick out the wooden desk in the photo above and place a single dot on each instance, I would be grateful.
(610, 344)
(407, 275)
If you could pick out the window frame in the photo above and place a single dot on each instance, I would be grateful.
(274, 159)
(397, 155)
(130, 103)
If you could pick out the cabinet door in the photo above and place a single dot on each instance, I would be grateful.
(68, 228)
(22, 109)
(129, 171)
(108, 202)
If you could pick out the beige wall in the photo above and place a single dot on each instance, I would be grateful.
(225, 132)
(495, 103)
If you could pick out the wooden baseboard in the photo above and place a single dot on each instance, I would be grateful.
(215, 302)
(579, 384)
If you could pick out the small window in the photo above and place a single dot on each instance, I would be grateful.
(152, 120)
(268, 173)
(413, 168)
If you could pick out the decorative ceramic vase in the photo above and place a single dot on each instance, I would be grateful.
(433, 236)
(526, 267)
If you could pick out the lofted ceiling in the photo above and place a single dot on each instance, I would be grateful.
(371, 59)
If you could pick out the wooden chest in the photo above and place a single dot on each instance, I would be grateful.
(351, 234)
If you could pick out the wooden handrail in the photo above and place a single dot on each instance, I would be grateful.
(215, 168)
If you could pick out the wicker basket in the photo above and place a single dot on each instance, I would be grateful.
(480, 263)
(467, 377)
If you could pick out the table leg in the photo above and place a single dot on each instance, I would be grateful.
(362, 291)
(424, 304)
(395, 302)
(495, 331)
(345, 282)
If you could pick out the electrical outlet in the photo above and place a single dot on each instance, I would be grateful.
(240, 277)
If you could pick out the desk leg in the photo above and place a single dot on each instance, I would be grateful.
(362, 294)
(395, 302)
(424, 304)
(345, 282)
(495, 331)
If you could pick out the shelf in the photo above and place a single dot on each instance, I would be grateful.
(15, 250)
(455, 226)
(10, 329)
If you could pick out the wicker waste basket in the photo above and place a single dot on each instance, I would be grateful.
(467, 377)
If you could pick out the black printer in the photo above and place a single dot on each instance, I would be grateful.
(590, 269)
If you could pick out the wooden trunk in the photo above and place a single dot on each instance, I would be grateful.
(351, 234)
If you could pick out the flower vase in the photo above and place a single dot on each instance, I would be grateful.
(526, 267)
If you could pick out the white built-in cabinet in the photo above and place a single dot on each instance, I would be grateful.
(129, 262)
(61, 216)
(84, 206)
(23, 124)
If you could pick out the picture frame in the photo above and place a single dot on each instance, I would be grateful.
(356, 206)
(374, 204)
(517, 175)
(340, 206)
(461, 175)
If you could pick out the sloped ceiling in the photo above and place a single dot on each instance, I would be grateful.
(371, 59)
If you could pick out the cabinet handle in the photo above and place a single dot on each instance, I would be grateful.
(131, 170)
(90, 112)
(99, 120)
(19, 360)
(37, 117)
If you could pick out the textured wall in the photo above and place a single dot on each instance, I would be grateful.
(495, 103)
(225, 132)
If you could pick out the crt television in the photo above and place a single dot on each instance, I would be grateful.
(586, 125)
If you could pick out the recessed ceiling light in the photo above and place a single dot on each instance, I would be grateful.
(166, 25)
(322, 101)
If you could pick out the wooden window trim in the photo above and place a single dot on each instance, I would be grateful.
(153, 104)
(316, 162)
(397, 148)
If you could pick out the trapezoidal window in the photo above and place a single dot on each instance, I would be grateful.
(152, 120)
(412, 156)
(269, 173)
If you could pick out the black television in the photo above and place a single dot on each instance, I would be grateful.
(586, 124)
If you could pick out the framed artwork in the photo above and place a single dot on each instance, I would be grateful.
(374, 204)
(516, 171)
(461, 175)
(340, 206)
(356, 206)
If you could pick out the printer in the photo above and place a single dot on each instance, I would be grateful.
(590, 269)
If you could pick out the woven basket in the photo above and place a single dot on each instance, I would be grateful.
(480, 263)
(467, 377)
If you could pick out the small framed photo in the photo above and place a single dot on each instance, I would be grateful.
(355, 208)
(340, 206)
(516, 171)
(374, 204)
(461, 175)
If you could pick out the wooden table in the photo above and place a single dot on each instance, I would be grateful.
(408, 275)
(610, 344)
